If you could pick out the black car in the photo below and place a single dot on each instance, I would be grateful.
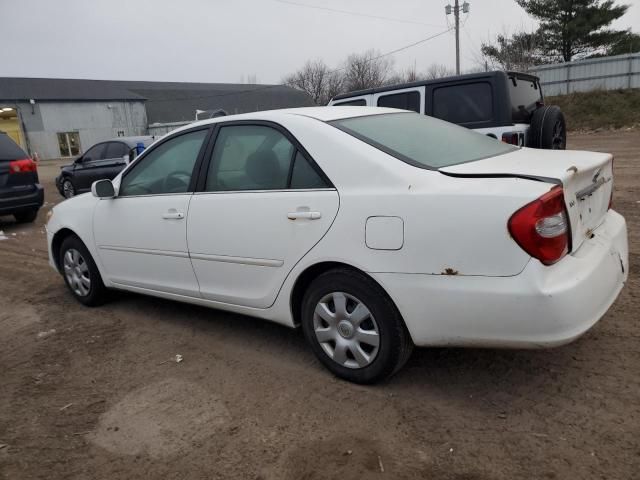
(102, 161)
(21, 194)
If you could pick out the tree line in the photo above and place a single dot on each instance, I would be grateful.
(568, 30)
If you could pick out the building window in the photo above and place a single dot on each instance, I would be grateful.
(69, 143)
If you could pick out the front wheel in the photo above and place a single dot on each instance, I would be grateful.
(353, 327)
(81, 273)
(68, 190)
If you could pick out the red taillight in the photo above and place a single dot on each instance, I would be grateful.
(22, 166)
(541, 227)
(512, 138)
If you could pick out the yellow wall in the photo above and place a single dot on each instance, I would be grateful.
(12, 127)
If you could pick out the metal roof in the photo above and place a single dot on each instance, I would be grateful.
(165, 101)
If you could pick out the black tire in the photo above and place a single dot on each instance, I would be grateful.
(68, 188)
(395, 343)
(548, 129)
(97, 292)
(26, 216)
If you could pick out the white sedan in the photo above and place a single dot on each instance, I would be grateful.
(373, 229)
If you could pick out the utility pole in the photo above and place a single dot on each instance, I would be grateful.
(456, 13)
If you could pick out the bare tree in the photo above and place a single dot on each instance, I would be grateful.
(408, 75)
(367, 70)
(437, 70)
(317, 80)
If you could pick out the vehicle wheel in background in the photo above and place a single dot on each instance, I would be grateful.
(548, 129)
(68, 190)
(353, 327)
(80, 273)
(26, 216)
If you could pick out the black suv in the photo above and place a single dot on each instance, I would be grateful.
(102, 161)
(508, 106)
(21, 194)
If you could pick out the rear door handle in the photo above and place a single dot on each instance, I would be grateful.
(172, 214)
(305, 215)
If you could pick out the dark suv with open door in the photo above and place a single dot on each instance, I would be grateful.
(21, 194)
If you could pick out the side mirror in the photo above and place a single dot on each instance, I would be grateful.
(103, 189)
(78, 160)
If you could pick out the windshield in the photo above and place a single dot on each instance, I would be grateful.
(422, 141)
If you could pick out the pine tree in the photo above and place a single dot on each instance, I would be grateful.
(571, 28)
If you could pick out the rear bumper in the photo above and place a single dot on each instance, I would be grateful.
(543, 306)
(22, 201)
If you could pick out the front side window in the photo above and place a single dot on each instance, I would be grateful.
(95, 153)
(422, 141)
(403, 101)
(468, 103)
(117, 150)
(165, 169)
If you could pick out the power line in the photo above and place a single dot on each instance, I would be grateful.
(358, 14)
(267, 87)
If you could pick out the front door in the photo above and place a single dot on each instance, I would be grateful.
(264, 205)
(141, 235)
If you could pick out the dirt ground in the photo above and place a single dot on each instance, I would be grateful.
(93, 393)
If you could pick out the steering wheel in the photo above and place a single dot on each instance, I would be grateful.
(176, 182)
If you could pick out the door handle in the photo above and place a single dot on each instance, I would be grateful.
(173, 215)
(305, 215)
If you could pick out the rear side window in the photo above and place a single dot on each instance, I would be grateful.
(469, 103)
(525, 95)
(352, 103)
(304, 175)
(422, 141)
(404, 101)
(249, 157)
(9, 150)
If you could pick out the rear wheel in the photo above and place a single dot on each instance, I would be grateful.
(548, 129)
(26, 216)
(353, 327)
(81, 273)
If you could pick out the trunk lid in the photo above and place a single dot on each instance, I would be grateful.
(586, 178)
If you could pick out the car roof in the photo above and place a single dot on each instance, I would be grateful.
(324, 114)
(133, 141)
(450, 79)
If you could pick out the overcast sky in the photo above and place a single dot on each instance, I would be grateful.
(230, 40)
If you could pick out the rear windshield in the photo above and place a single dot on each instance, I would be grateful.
(524, 97)
(9, 150)
(422, 141)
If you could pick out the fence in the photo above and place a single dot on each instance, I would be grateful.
(607, 73)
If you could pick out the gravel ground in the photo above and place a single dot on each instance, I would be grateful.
(94, 393)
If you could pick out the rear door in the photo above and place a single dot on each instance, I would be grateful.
(14, 183)
(262, 204)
